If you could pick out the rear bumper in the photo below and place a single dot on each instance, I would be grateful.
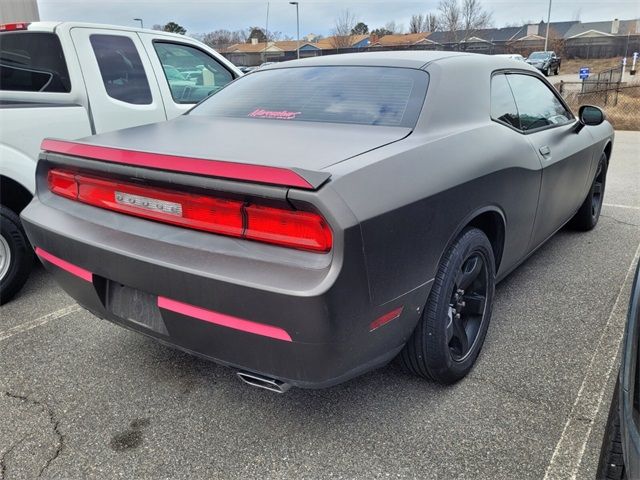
(305, 321)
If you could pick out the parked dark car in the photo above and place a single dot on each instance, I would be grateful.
(311, 221)
(620, 454)
(547, 62)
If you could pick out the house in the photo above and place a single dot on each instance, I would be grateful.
(405, 41)
(603, 39)
(256, 53)
(352, 42)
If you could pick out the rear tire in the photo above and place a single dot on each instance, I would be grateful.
(448, 338)
(16, 255)
(611, 464)
(586, 218)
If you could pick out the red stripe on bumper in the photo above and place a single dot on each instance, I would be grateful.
(223, 320)
(64, 265)
(386, 318)
(214, 168)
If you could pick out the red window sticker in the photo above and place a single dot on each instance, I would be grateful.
(279, 114)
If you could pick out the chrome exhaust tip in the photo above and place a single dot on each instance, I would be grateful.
(260, 381)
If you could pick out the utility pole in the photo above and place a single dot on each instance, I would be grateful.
(266, 37)
(297, 26)
(546, 37)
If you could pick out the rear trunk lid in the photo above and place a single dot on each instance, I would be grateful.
(264, 151)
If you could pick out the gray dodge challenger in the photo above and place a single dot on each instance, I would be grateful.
(315, 219)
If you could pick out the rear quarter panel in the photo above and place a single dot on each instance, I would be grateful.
(414, 197)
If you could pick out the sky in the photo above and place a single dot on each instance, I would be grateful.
(316, 16)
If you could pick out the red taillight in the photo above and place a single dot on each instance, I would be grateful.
(63, 184)
(192, 211)
(10, 27)
(287, 228)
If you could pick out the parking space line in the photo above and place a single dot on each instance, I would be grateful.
(23, 327)
(568, 453)
(631, 207)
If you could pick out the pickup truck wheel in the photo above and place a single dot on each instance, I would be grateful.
(448, 338)
(547, 71)
(556, 71)
(16, 255)
(587, 216)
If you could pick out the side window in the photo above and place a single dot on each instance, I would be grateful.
(121, 69)
(32, 62)
(192, 74)
(503, 106)
(537, 105)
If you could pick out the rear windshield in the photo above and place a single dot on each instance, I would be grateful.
(32, 62)
(363, 95)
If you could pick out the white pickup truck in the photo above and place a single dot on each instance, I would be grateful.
(71, 80)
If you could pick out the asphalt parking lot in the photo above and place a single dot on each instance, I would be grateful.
(81, 398)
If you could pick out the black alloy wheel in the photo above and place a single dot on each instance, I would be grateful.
(588, 215)
(468, 305)
(450, 333)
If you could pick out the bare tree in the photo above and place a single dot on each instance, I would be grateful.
(417, 23)
(449, 17)
(432, 23)
(424, 23)
(393, 27)
(341, 33)
(462, 20)
(223, 38)
(474, 17)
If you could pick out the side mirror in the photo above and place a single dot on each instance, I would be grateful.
(589, 115)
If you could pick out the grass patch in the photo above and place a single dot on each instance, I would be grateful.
(596, 65)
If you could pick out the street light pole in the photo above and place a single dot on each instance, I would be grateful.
(546, 37)
(297, 27)
(139, 20)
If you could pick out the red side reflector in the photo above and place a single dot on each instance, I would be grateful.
(10, 27)
(287, 228)
(386, 318)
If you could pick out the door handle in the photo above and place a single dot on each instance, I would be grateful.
(545, 150)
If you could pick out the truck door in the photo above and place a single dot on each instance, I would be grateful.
(187, 73)
(122, 89)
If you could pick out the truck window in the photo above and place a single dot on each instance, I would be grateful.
(121, 69)
(32, 62)
(192, 75)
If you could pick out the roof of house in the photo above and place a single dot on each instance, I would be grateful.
(557, 28)
(402, 39)
(500, 34)
(329, 43)
(625, 27)
(283, 46)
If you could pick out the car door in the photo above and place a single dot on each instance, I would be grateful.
(187, 73)
(566, 156)
(122, 89)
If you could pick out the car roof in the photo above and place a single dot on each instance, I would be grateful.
(407, 59)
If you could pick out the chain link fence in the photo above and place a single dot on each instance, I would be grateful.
(620, 102)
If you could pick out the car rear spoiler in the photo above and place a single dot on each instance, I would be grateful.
(286, 177)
